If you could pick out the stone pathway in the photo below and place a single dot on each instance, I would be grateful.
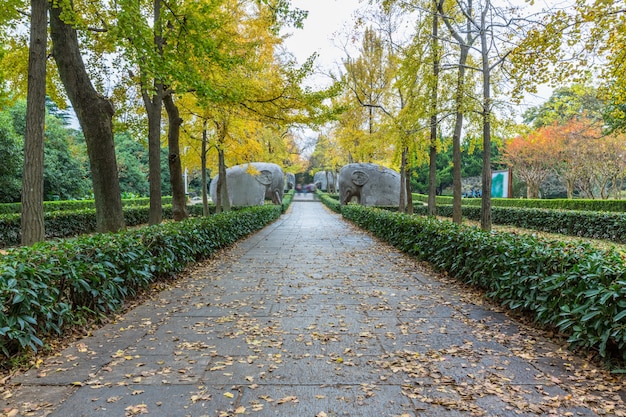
(313, 317)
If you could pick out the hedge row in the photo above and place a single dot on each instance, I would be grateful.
(73, 205)
(587, 224)
(578, 289)
(330, 200)
(554, 204)
(52, 285)
(61, 224)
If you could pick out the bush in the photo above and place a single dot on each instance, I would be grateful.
(587, 224)
(330, 200)
(578, 289)
(52, 285)
(555, 204)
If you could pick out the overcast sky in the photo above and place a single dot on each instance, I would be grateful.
(327, 20)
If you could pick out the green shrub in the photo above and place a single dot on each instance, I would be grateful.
(74, 205)
(587, 224)
(576, 288)
(287, 198)
(330, 201)
(579, 204)
(52, 285)
(62, 224)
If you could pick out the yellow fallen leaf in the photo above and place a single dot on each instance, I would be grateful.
(291, 398)
(240, 410)
(229, 395)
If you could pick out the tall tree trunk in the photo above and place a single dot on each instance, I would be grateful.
(179, 199)
(154, 105)
(485, 215)
(95, 114)
(464, 44)
(153, 110)
(409, 202)
(403, 196)
(203, 155)
(32, 227)
(432, 175)
(222, 186)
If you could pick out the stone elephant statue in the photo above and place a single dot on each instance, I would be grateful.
(369, 185)
(249, 188)
(326, 181)
(290, 181)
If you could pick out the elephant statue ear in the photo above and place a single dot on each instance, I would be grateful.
(359, 178)
(265, 177)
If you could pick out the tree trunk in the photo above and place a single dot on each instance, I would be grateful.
(432, 175)
(154, 106)
(457, 211)
(203, 155)
(485, 215)
(179, 199)
(403, 193)
(95, 114)
(222, 187)
(409, 201)
(32, 227)
(153, 110)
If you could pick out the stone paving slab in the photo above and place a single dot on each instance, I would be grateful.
(313, 317)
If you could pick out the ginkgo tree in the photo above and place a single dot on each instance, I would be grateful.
(243, 105)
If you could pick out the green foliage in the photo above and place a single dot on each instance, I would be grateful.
(66, 175)
(330, 201)
(564, 104)
(11, 157)
(71, 205)
(65, 223)
(578, 289)
(287, 199)
(555, 204)
(471, 166)
(46, 288)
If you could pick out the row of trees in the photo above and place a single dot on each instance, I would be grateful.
(213, 67)
(451, 77)
(213, 74)
(574, 137)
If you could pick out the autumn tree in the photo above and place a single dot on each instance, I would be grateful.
(533, 157)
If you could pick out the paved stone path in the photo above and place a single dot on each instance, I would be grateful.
(313, 317)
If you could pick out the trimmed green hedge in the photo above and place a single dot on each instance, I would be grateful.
(330, 200)
(578, 289)
(587, 224)
(61, 224)
(554, 204)
(52, 285)
(73, 205)
(287, 198)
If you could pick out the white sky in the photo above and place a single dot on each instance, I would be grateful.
(327, 26)
(324, 31)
